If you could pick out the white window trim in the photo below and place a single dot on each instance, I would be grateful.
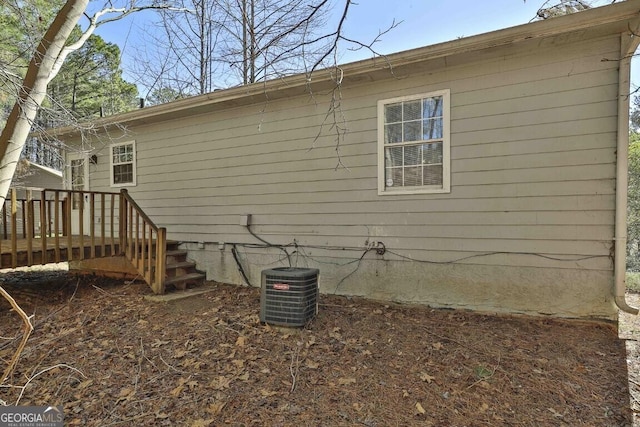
(446, 147)
(135, 156)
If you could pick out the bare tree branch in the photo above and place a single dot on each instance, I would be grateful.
(95, 22)
(28, 328)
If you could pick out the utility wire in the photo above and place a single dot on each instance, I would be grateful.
(485, 254)
(380, 250)
(269, 244)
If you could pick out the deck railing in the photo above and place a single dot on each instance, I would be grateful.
(43, 226)
(144, 243)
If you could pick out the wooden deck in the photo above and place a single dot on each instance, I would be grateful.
(28, 252)
(49, 225)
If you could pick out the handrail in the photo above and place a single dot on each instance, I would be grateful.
(56, 225)
(133, 203)
(137, 233)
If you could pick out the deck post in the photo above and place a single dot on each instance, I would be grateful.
(81, 224)
(44, 225)
(56, 224)
(136, 239)
(14, 228)
(63, 209)
(5, 228)
(68, 226)
(130, 241)
(161, 260)
(149, 270)
(122, 221)
(102, 227)
(49, 218)
(92, 226)
(112, 225)
(23, 210)
(28, 215)
(144, 251)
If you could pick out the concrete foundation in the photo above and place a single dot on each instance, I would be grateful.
(559, 292)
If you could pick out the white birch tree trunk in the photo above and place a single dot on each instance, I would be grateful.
(41, 70)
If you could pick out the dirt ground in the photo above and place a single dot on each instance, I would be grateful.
(111, 357)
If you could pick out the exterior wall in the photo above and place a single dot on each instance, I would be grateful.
(36, 177)
(41, 179)
(528, 224)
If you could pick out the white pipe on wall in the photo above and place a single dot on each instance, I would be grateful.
(622, 158)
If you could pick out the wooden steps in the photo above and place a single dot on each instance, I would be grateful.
(180, 271)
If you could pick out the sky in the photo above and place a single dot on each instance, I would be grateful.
(425, 22)
(420, 23)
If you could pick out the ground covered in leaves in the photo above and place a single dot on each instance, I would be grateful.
(111, 357)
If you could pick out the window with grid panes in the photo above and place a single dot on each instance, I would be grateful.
(414, 144)
(123, 164)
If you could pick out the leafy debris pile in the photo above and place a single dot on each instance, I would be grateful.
(111, 357)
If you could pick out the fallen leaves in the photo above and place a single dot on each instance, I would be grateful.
(202, 422)
(426, 377)
(161, 415)
(85, 384)
(311, 364)
(482, 373)
(177, 390)
(207, 361)
(220, 383)
(335, 334)
(125, 395)
(179, 353)
(157, 343)
(216, 408)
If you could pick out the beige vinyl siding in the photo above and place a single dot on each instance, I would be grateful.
(532, 172)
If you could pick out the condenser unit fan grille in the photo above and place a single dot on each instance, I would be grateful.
(289, 296)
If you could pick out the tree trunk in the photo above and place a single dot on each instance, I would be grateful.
(203, 53)
(252, 47)
(245, 50)
(33, 90)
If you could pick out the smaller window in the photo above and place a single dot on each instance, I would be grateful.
(123, 164)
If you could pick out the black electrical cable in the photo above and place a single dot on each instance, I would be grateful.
(269, 244)
(359, 261)
(485, 254)
(380, 250)
(234, 252)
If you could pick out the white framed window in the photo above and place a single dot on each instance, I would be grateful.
(413, 144)
(123, 164)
